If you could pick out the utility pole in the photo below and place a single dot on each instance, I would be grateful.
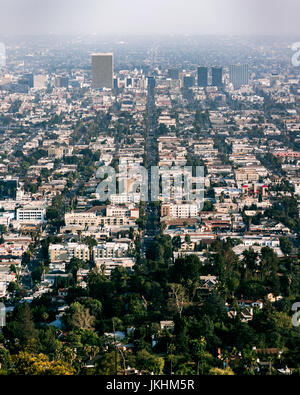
(124, 362)
(116, 353)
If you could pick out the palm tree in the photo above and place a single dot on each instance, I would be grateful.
(91, 243)
(171, 350)
(250, 261)
(79, 232)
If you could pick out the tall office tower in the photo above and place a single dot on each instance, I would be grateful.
(202, 76)
(40, 81)
(173, 74)
(102, 70)
(116, 83)
(129, 82)
(8, 188)
(239, 75)
(61, 82)
(27, 79)
(151, 85)
(188, 81)
(274, 78)
(217, 76)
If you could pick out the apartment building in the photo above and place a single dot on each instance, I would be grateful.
(246, 174)
(112, 263)
(88, 220)
(110, 250)
(125, 198)
(179, 210)
(120, 212)
(31, 215)
(65, 252)
(59, 152)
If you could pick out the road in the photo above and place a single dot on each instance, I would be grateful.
(151, 209)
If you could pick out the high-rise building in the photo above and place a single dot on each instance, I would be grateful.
(27, 79)
(129, 82)
(202, 76)
(274, 78)
(8, 188)
(173, 74)
(102, 70)
(188, 81)
(239, 75)
(216, 76)
(40, 81)
(61, 82)
(116, 83)
(151, 85)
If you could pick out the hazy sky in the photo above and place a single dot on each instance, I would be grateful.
(276, 17)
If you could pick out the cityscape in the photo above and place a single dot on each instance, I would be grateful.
(149, 205)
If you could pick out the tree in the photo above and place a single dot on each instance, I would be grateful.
(269, 262)
(187, 239)
(90, 242)
(94, 306)
(187, 268)
(22, 326)
(4, 359)
(249, 358)
(171, 350)
(26, 258)
(249, 261)
(13, 268)
(208, 206)
(221, 372)
(149, 362)
(73, 266)
(178, 296)
(286, 245)
(49, 344)
(52, 213)
(79, 317)
(37, 273)
(25, 363)
(201, 357)
(109, 364)
(3, 230)
(176, 242)
(13, 286)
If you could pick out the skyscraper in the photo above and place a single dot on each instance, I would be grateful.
(188, 81)
(173, 73)
(129, 82)
(151, 85)
(116, 83)
(102, 70)
(61, 82)
(202, 76)
(216, 75)
(239, 75)
(40, 81)
(27, 79)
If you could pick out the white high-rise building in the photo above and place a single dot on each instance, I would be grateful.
(239, 75)
(31, 215)
(40, 81)
(102, 70)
